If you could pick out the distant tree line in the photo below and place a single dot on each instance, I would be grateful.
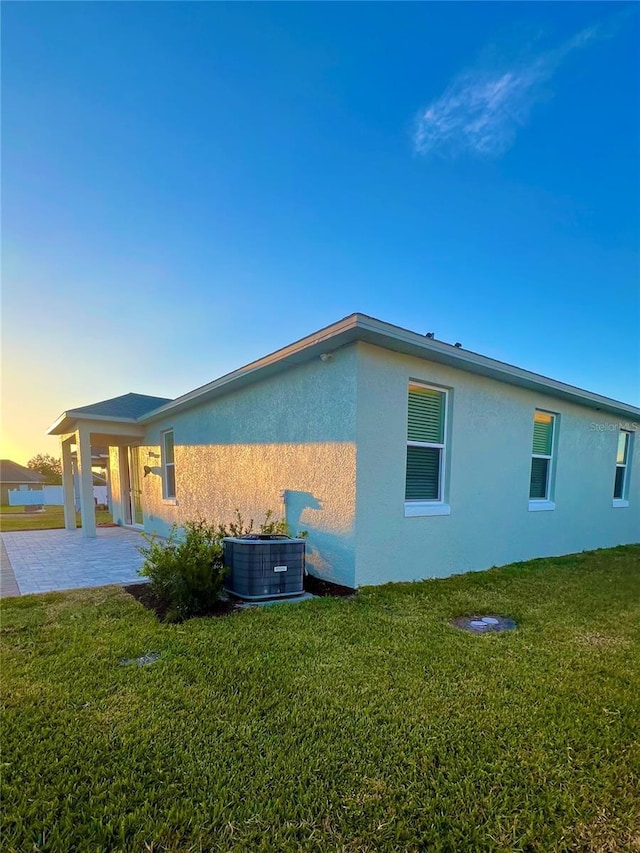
(48, 466)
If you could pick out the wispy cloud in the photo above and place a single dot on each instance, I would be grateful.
(482, 109)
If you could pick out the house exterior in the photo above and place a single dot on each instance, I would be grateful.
(14, 476)
(403, 457)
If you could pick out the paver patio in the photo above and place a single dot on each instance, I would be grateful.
(49, 560)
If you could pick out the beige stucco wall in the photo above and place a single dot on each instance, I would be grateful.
(490, 431)
(291, 434)
(326, 432)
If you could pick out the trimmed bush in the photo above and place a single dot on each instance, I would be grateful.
(186, 571)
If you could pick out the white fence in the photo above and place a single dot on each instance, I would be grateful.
(50, 496)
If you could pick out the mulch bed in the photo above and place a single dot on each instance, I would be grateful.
(316, 586)
(143, 593)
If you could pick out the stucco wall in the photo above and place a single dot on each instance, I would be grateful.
(489, 455)
(319, 430)
(293, 433)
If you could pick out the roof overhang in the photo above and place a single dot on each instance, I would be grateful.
(360, 327)
(350, 330)
(104, 430)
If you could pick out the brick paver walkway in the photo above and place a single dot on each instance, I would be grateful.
(48, 560)
(8, 583)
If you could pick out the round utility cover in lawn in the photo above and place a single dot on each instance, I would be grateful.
(483, 624)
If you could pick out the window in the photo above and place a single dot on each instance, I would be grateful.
(541, 461)
(622, 465)
(168, 465)
(424, 492)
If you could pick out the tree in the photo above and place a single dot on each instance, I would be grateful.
(47, 465)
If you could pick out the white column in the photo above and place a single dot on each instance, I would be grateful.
(87, 504)
(76, 481)
(68, 496)
(125, 485)
(107, 477)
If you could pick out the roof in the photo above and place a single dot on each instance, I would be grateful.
(355, 327)
(11, 472)
(126, 408)
(360, 327)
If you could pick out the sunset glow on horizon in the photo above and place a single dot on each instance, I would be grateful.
(188, 187)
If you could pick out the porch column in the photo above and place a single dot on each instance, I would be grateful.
(85, 477)
(76, 482)
(68, 496)
(107, 477)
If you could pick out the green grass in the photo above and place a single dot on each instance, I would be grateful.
(358, 724)
(14, 518)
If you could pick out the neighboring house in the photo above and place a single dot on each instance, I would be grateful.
(14, 476)
(402, 456)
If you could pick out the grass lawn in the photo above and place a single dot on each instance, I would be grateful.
(14, 518)
(359, 724)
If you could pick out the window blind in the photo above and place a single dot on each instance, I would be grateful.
(426, 415)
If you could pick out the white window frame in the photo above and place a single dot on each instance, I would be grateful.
(415, 508)
(547, 502)
(623, 500)
(167, 498)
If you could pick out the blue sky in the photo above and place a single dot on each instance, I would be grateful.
(188, 186)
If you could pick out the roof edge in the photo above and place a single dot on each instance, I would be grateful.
(73, 415)
(362, 327)
(284, 355)
(484, 365)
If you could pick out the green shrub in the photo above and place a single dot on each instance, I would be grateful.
(270, 525)
(235, 528)
(274, 526)
(186, 571)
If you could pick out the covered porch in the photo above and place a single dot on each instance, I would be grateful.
(86, 436)
(91, 429)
